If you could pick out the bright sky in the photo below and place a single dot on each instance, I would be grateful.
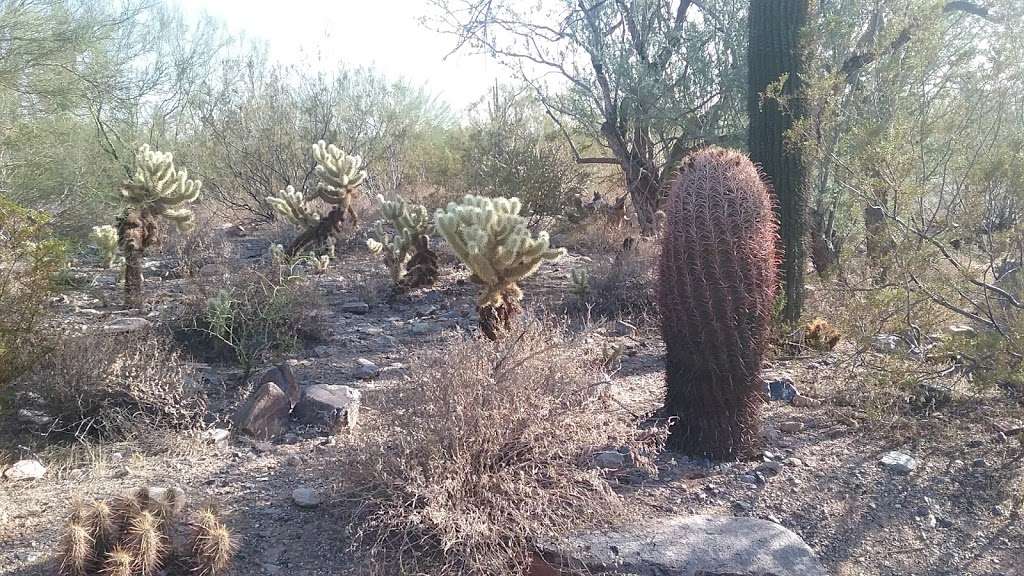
(382, 33)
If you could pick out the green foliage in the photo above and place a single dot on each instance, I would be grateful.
(158, 188)
(492, 239)
(30, 259)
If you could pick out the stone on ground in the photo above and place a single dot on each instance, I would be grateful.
(25, 470)
(898, 462)
(688, 546)
(264, 414)
(333, 405)
(283, 376)
(306, 497)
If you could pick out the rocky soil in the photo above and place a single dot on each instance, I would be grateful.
(940, 493)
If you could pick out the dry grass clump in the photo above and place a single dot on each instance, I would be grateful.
(142, 533)
(484, 449)
(621, 285)
(114, 386)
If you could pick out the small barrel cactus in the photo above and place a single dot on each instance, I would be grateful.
(407, 252)
(157, 190)
(492, 239)
(717, 290)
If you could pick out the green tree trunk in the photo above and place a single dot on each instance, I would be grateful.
(775, 53)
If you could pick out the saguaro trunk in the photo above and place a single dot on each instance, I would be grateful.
(775, 54)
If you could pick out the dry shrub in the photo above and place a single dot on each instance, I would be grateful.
(620, 286)
(114, 386)
(485, 449)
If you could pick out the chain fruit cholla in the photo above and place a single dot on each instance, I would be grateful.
(407, 252)
(716, 290)
(158, 190)
(492, 239)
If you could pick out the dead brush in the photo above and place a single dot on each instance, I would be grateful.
(485, 449)
(620, 286)
(142, 533)
(114, 386)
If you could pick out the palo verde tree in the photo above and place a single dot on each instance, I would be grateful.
(157, 190)
(775, 56)
(642, 83)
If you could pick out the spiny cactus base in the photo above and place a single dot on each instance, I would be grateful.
(717, 290)
(144, 533)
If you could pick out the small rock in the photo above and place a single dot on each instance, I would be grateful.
(999, 511)
(293, 460)
(781, 388)
(306, 497)
(34, 417)
(122, 472)
(770, 468)
(898, 462)
(25, 470)
(748, 479)
(123, 325)
(962, 331)
(793, 461)
(355, 307)
(333, 405)
(944, 523)
(979, 463)
(610, 459)
(366, 369)
(420, 328)
(887, 343)
(791, 427)
(217, 436)
(265, 413)
(805, 402)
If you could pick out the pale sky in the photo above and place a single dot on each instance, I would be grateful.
(384, 33)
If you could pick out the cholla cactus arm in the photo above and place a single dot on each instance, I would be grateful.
(160, 189)
(105, 240)
(293, 206)
(339, 173)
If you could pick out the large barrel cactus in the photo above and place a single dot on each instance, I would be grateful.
(716, 290)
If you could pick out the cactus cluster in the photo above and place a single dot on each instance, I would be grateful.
(157, 190)
(716, 291)
(340, 175)
(407, 252)
(105, 239)
(493, 240)
(143, 533)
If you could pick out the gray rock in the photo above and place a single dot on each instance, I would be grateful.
(265, 413)
(688, 546)
(34, 417)
(25, 470)
(420, 328)
(333, 405)
(306, 497)
(791, 427)
(898, 462)
(124, 325)
(610, 459)
(366, 369)
(283, 376)
(781, 388)
(217, 436)
(355, 307)
(805, 402)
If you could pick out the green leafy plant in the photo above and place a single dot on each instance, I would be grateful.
(493, 240)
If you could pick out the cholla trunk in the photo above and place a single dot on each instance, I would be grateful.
(135, 231)
(421, 269)
(319, 235)
(496, 321)
(717, 291)
(133, 277)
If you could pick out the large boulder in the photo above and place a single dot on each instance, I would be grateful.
(331, 405)
(685, 546)
(265, 413)
(283, 376)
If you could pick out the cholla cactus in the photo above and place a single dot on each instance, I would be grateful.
(158, 190)
(340, 176)
(294, 207)
(579, 282)
(137, 534)
(407, 252)
(105, 239)
(490, 237)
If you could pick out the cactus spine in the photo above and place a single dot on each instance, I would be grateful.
(340, 175)
(158, 190)
(407, 252)
(492, 239)
(716, 289)
(142, 533)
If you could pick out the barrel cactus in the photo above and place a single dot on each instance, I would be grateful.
(717, 290)
(158, 190)
(407, 252)
(492, 239)
(340, 176)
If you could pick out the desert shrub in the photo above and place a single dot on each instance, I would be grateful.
(113, 386)
(255, 318)
(29, 263)
(485, 448)
(619, 286)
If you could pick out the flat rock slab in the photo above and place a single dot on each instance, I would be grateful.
(687, 546)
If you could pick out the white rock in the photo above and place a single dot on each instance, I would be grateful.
(898, 462)
(25, 470)
(366, 369)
